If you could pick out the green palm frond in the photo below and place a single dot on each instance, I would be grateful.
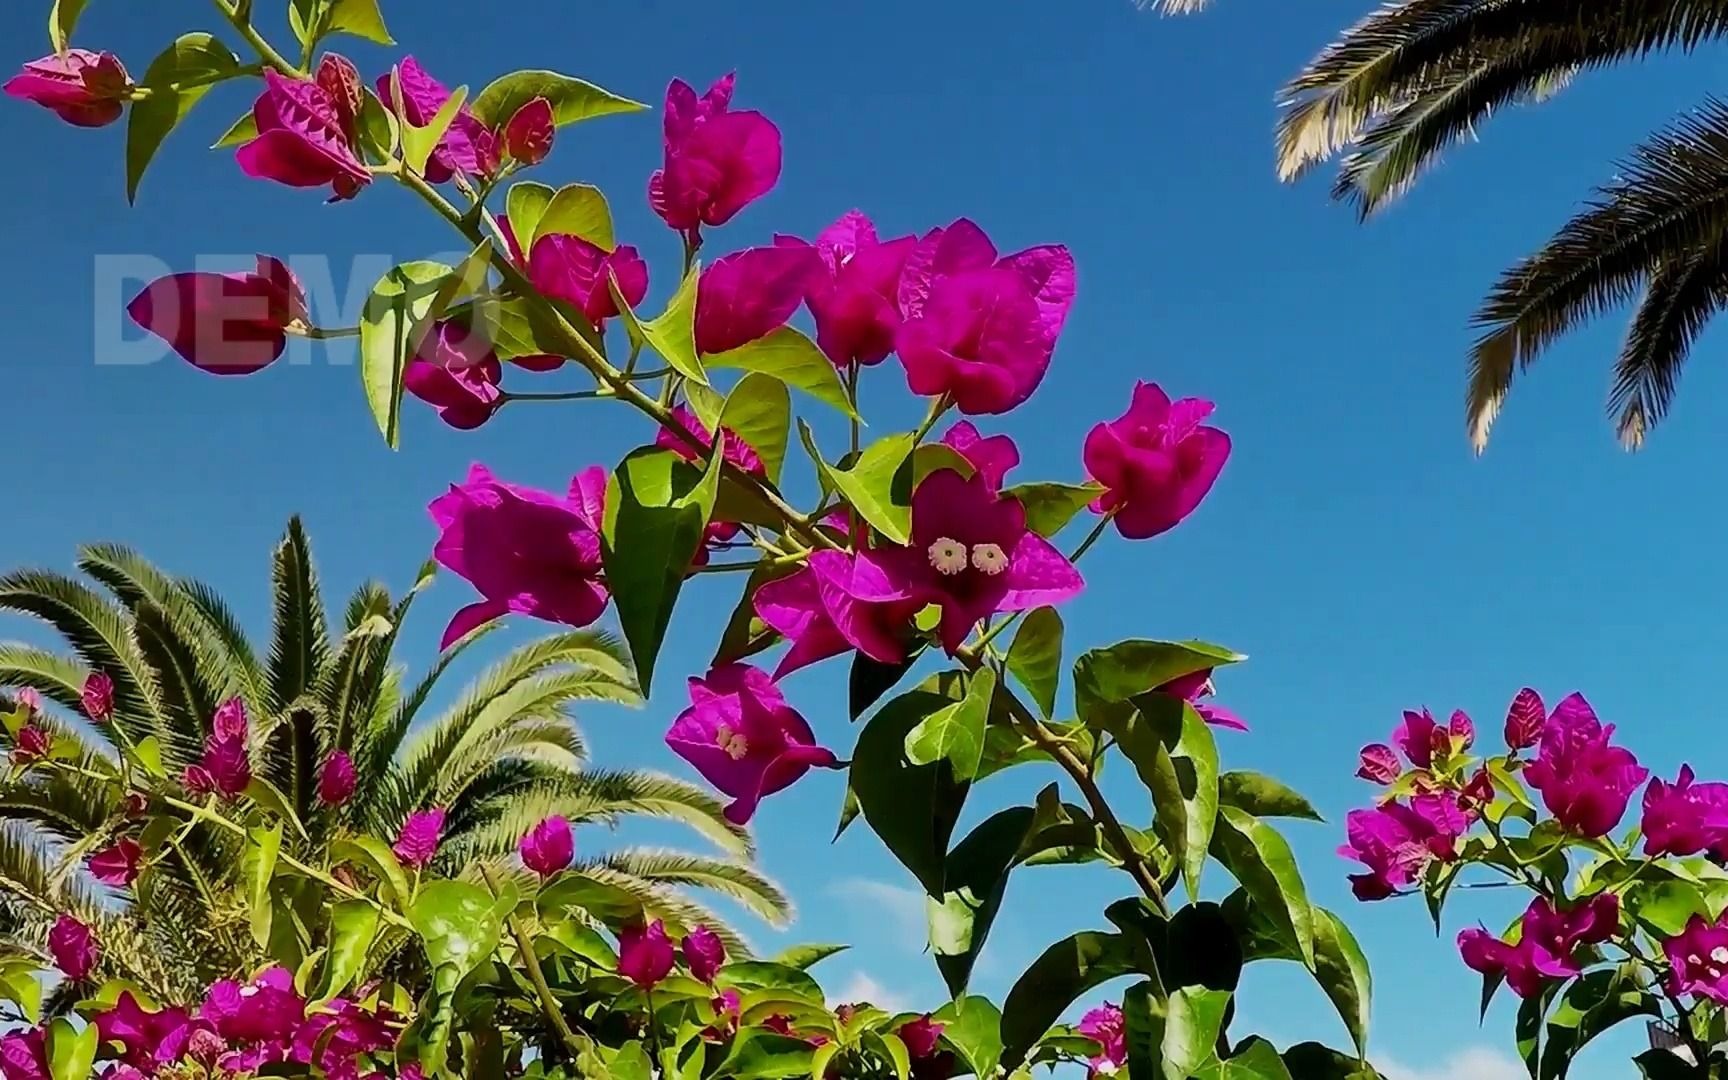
(377, 745)
(1670, 203)
(57, 678)
(663, 902)
(1680, 299)
(189, 696)
(69, 806)
(236, 648)
(299, 645)
(351, 676)
(730, 879)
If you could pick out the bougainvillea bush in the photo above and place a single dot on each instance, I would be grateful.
(1625, 919)
(917, 559)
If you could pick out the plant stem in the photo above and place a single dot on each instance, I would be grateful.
(1092, 537)
(324, 333)
(542, 989)
(938, 406)
(142, 93)
(242, 22)
(574, 395)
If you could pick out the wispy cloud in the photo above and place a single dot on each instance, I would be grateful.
(862, 987)
(901, 906)
(1471, 1063)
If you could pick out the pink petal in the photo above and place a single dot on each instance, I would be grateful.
(469, 619)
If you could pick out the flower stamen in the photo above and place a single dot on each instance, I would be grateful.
(989, 559)
(948, 556)
(733, 742)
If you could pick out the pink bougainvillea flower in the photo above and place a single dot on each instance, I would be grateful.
(24, 1055)
(28, 699)
(456, 372)
(645, 954)
(97, 697)
(1477, 793)
(992, 456)
(73, 947)
(1461, 731)
(417, 843)
(117, 864)
(31, 744)
(922, 1036)
(1548, 943)
(855, 296)
(1380, 764)
(197, 780)
(737, 452)
(83, 88)
(1194, 688)
(526, 551)
(972, 554)
(1698, 960)
(265, 1010)
(835, 604)
(228, 764)
(148, 1038)
(336, 1036)
(1157, 462)
(1417, 736)
(304, 138)
(1524, 720)
(1685, 818)
(749, 294)
(717, 161)
(578, 272)
(1396, 841)
(529, 132)
(977, 327)
(224, 324)
(1585, 783)
(743, 738)
(468, 147)
(548, 847)
(230, 720)
(1107, 1027)
(704, 953)
(336, 779)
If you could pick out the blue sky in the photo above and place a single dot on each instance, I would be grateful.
(1354, 547)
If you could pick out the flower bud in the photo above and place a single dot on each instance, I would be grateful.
(528, 134)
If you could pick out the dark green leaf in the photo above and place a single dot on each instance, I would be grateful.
(1143, 1030)
(1665, 907)
(390, 330)
(657, 506)
(1263, 797)
(765, 1054)
(572, 99)
(1175, 756)
(265, 794)
(794, 359)
(243, 130)
(746, 634)
(1261, 860)
(973, 1027)
(1128, 669)
(1057, 979)
(1035, 657)
(1664, 1065)
(178, 79)
(911, 807)
(956, 733)
(1254, 1059)
(1592, 1004)
(762, 975)
(1312, 1061)
(1341, 968)
(1528, 1029)
(353, 925)
(975, 876)
(870, 679)
(576, 895)
(759, 411)
(1051, 506)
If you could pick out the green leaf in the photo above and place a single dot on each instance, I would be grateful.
(1663, 1065)
(516, 328)
(1128, 669)
(804, 957)
(419, 142)
(1192, 1019)
(672, 333)
(360, 18)
(794, 359)
(375, 855)
(581, 896)
(892, 1047)
(266, 795)
(178, 79)
(869, 679)
(765, 975)
(1528, 1029)
(746, 634)
(260, 871)
(1263, 796)
(1175, 756)
(657, 506)
(353, 925)
(1257, 1059)
(459, 924)
(1261, 860)
(766, 1054)
(572, 99)
(62, 21)
(871, 484)
(759, 411)
(578, 210)
(1051, 506)
(631, 1063)
(71, 1051)
(19, 985)
(390, 330)
(147, 754)
(243, 130)
(1312, 1061)
(524, 206)
(1592, 1004)
(1341, 968)
(1057, 979)
(911, 807)
(975, 877)
(956, 732)
(1035, 658)
(1665, 907)
(973, 1027)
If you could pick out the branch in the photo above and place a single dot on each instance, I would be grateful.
(542, 990)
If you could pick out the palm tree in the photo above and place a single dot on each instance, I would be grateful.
(501, 757)
(1417, 76)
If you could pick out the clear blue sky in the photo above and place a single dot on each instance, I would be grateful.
(1353, 546)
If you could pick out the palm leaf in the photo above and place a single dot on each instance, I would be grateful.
(1680, 299)
(733, 880)
(299, 644)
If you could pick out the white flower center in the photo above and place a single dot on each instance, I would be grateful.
(1719, 954)
(989, 559)
(948, 556)
(733, 742)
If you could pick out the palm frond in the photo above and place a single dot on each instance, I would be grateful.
(377, 745)
(665, 902)
(69, 806)
(351, 676)
(1680, 299)
(1670, 202)
(299, 643)
(733, 880)
(189, 696)
(241, 658)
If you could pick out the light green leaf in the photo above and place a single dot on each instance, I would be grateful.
(578, 210)
(672, 333)
(525, 205)
(572, 99)
(804, 957)
(1035, 658)
(956, 732)
(794, 359)
(1193, 1017)
(376, 856)
(765, 975)
(1051, 506)
(306, 19)
(243, 130)
(459, 924)
(419, 142)
(147, 754)
(178, 79)
(657, 506)
(71, 1051)
(353, 925)
(1341, 968)
(1261, 860)
(759, 411)
(361, 18)
(1264, 797)
(1175, 756)
(973, 1027)
(270, 798)
(390, 330)
(871, 485)
(764, 1054)
(62, 21)
(260, 872)
(19, 985)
